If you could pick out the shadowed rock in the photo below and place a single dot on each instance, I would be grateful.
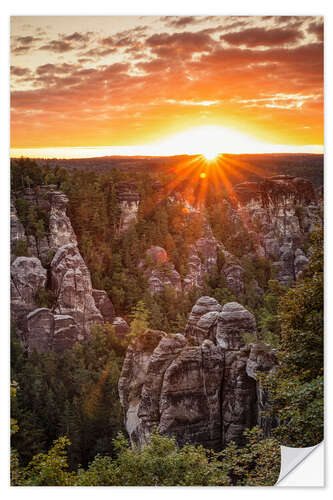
(234, 321)
(104, 305)
(40, 323)
(199, 394)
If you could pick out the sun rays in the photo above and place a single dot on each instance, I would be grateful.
(195, 177)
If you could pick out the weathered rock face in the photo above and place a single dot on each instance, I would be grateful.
(279, 212)
(132, 379)
(202, 394)
(77, 305)
(159, 271)
(40, 330)
(17, 232)
(234, 321)
(104, 305)
(262, 359)
(66, 333)
(202, 322)
(202, 258)
(27, 277)
(61, 231)
(72, 285)
(234, 275)
(129, 200)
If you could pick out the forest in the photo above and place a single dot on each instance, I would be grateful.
(66, 419)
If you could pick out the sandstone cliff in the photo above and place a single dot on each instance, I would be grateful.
(200, 387)
(76, 306)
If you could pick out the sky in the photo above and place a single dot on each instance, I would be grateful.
(91, 86)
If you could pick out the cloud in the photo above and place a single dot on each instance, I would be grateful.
(23, 44)
(317, 28)
(56, 68)
(180, 21)
(176, 75)
(255, 37)
(18, 71)
(182, 44)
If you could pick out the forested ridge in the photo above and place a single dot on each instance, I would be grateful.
(67, 426)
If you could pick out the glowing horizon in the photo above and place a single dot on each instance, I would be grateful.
(209, 141)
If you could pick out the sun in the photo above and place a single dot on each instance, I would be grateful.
(210, 155)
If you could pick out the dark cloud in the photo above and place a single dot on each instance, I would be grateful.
(56, 68)
(77, 37)
(255, 37)
(24, 44)
(179, 22)
(18, 71)
(182, 44)
(317, 28)
(59, 46)
(27, 40)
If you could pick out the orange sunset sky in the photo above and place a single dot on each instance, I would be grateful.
(90, 86)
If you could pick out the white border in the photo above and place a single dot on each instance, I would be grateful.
(142, 7)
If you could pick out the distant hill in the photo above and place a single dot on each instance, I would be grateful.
(252, 167)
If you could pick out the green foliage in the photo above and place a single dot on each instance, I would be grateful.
(35, 219)
(73, 393)
(296, 389)
(49, 469)
(159, 463)
(20, 249)
(256, 464)
(45, 298)
(140, 320)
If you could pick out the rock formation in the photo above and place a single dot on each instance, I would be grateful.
(27, 277)
(77, 306)
(72, 285)
(279, 212)
(202, 258)
(159, 271)
(104, 305)
(206, 393)
(129, 200)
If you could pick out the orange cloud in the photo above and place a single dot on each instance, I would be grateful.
(137, 85)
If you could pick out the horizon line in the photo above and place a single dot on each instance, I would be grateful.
(86, 152)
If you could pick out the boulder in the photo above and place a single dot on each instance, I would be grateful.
(157, 255)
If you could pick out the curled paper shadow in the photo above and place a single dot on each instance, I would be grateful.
(291, 458)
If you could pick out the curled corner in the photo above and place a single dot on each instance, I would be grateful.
(291, 458)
